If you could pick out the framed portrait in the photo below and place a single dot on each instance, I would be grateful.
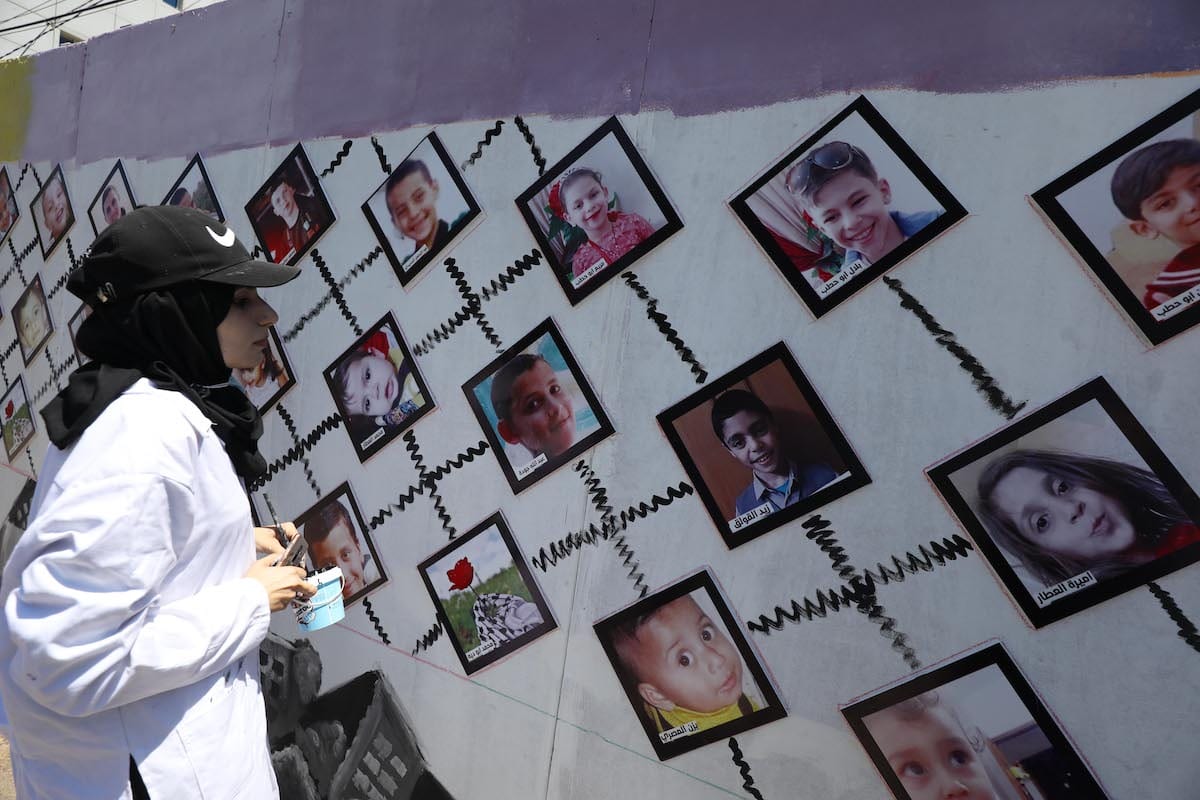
(760, 447)
(1072, 504)
(52, 212)
(268, 382)
(423, 208)
(1127, 212)
(536, 407)
(84, 311)
(597, 211)
(337, 537)
(19, 424)
(973, 728)
(193, 189)
(9, 212)
(113, 201)
(378, 388)
(657, 644)
(844, 206)
(31, 318)
(290, 212)
(485, 595)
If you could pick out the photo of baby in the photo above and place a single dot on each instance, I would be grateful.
(113, 201)
(421, 209)
(1132, 213)
(73, 324)
(194, 190)
(31, 317)
(267, 383)
(377, 388)
(597, 211)
(1073, 505)
(337, 537)
(536, 407)
(844, 206)
(52, 213)
(9, 213)
(686, 667)
(760, 447)
(973, 729)
(18, 419)
(290, 212)
(485, 595)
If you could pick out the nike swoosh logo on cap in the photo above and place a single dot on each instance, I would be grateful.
(225, 240)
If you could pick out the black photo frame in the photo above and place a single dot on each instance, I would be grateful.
(10, 212)
(194, 189)
(19, 422)
(46, 241)
(262, 384)
(83, 312)
(32, 299)
(314, 213)
(373, 573)
(118, 182)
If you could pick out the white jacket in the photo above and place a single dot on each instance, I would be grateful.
(127, 626)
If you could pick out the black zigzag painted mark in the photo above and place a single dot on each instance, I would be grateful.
(336, 291)
(744, 768)
(473, 303)
(556, 551)
(71, 254)
(311, 314)
(429, 637)
(428, 481)
(406, 497)
(56, 372)
(32, 468)
(9, 350)
(936, 554)
(298, 445)
(383, 162)
(337, 159)
(533, 148)
(984, 382)
(664, 326)
(58, 286)
(488, 135)
(375, 620)
(21, 178)
(599, 496)
(443, 331)
(816, 529)
(465, 457)
(17, 259)
(1187, 628)
(297, 450)
(509, 276)
(36, 178)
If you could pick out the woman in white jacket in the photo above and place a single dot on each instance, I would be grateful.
(133, 606)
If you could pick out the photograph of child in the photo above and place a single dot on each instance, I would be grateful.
(597, 211)
(536, 407)
(485, 594)
(377, 388)
(290, 212)
(1132, 213)
(267, 383)
(51, 211)
(973, 729)
(337, 537)
(9, 213)
(31, 317)
(194, 190)
(760, 447)
(18, 419)
(1073, 505)
(113, 201)
(421, 209)
(73, 324)
(844, 206)
(686, 668)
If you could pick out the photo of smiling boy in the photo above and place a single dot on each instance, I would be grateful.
(31, 316)
(421, 210)
(113, 201)
(332, 530)
(290, 211)
(52, 212)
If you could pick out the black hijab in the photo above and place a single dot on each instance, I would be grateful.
(168, 335)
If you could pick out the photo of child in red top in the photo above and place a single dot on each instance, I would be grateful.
(582, 199)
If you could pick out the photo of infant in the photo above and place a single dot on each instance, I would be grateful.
(422, 208)
(973, 729)
(31, 317)
(536, 407)
(113, 201)
(485, 594)
(1073, 505)
(52, 213)
(377, 388)
(268, 382)
(290, 212)
(844, 206)
(1132, 213)
(688, 671)
(193, 189)
(760, 447)
(337, 537)
(18, 419)
(597, 211)
(9, 213)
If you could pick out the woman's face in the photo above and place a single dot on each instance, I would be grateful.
(243, 333)
(1063, 517)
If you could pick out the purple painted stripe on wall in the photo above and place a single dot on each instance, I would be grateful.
(236, 74)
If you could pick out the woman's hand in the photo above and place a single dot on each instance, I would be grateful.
(266, 542)
(283, 584)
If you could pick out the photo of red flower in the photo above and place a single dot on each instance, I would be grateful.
(461, 574)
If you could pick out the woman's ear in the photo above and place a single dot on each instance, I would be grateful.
(655, 698)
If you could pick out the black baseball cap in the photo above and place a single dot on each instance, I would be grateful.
(156, 246)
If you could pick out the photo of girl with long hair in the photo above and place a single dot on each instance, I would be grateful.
(1074, 504)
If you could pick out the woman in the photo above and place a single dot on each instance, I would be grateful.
(133, 605)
